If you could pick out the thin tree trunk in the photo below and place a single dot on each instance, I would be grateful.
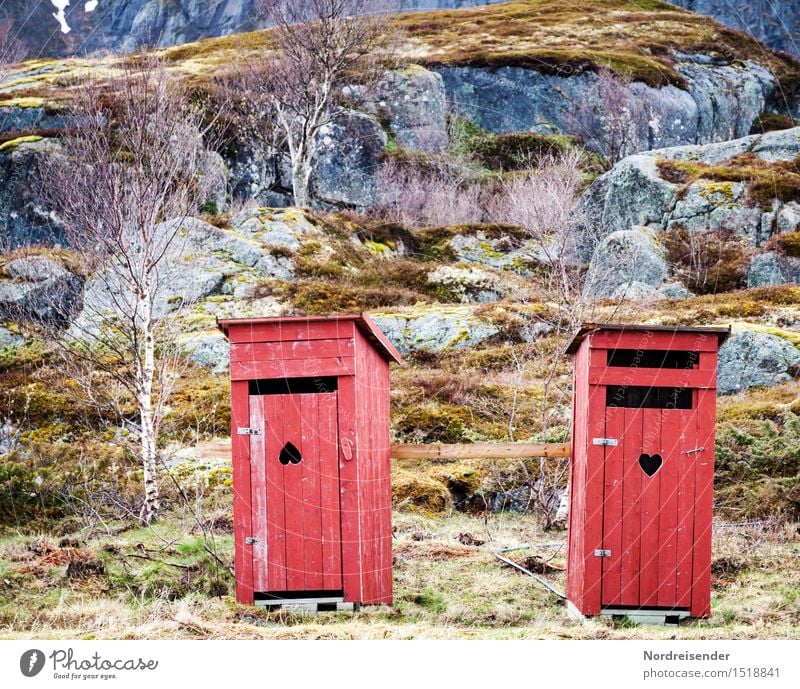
(151, 505)
(301, 177)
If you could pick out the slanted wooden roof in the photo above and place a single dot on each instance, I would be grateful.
(722, 333)
(363, 322)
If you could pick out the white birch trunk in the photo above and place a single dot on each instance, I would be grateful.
(146, 365)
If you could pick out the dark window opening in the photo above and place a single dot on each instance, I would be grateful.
(296, 595)
(643, 397)
(652, 358)
(293, 386)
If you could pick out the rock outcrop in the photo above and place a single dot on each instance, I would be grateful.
(38, 289)
(755, 359)
(24, 217)
(434, 330)
(635, 193)
(347, 155)
(776, 24)
(720, 102)
(628, 264)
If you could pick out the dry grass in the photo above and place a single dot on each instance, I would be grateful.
(633, 37)
(443, 589)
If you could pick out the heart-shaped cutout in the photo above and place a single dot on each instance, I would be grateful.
(650, 463)
(290, 455)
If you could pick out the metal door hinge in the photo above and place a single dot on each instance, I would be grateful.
(611, 442)
(602, 553)
(250, 540)
(249, 431)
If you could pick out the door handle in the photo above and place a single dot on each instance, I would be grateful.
(697, 449)
(347, 448)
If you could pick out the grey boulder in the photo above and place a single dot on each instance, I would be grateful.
(753, 359)
(38, 289)
(346, 157)
(628, 264)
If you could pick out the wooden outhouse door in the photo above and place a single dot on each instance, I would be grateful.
(649, 506)
(294, 468)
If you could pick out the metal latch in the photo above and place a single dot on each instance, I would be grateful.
(249, 431)
(611, 442)
(250, 540)
(697, 449)
(602, 553)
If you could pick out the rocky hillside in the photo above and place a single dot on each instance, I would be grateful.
(129, 24)
(694, 220)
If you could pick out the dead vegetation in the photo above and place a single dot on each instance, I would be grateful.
(443, 588)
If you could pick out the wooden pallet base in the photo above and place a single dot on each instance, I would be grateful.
(663, 618)
(309, 605)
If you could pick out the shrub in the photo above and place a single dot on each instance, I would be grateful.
(708, 261)
(771, 450)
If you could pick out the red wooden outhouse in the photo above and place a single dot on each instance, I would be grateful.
(311, 467)
(642, 471)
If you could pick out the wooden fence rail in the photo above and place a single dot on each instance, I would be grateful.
(222, 448)
(481, 451)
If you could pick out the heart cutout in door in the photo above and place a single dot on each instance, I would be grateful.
(290, 455)
(650, 463)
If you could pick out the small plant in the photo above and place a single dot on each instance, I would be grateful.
(708, 261)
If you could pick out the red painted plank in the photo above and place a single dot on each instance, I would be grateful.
(350, 497)
(242, 507)
(687, 480)
(631, 516)
(366, 459)
(276, 497)
(612, 508)
(290, 331)
(651, 503)
(329, 493)
(311, 507)
(678, 378)
(593, 527)
(258, 495)
(293, 368)
(682, 341)
(704, 498)
(293, 490)
(384, 448)
(575, 555)
(672, 421)
(289, 350)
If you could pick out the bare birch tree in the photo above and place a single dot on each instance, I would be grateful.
(293, 91)
(130, 174)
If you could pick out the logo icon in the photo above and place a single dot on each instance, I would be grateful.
(31, 662)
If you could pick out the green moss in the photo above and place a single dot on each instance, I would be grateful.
(22, 102)
(12, 145)
(765, 181)
(766, 498)
(786, 243)
(410, 490)
(771, 122)
(637, 39)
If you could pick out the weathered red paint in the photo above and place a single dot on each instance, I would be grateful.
(657, 528)
(322, 524)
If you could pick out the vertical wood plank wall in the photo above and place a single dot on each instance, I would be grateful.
(361, 460)
(372, 407)
(669, 514)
